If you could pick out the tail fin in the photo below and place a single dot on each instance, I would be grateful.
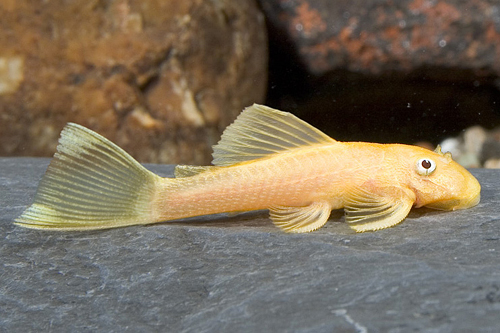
(91, 184)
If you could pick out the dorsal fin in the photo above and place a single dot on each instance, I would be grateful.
(260, 131)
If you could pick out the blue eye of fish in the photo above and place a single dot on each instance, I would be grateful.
(425, 166)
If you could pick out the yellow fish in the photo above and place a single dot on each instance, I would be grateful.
(267, 159)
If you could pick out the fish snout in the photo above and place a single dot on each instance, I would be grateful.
(472, 194)
(468, 196)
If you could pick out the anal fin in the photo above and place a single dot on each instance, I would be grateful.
(301, 219)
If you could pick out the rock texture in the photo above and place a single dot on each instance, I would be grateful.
(386, 71)
(160, 78)
(375, 37)
(435, 272)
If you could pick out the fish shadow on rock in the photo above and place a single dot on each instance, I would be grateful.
(259, 220)
(416, 213)
(254, 219)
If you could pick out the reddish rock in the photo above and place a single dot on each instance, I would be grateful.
(161, 78)
(374, 37)
(386, 71)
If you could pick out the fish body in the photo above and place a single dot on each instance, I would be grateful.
(267, 159)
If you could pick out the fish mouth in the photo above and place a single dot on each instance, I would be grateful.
(455, 204)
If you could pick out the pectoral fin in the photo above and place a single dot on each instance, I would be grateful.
(366, 211)
(301, 219)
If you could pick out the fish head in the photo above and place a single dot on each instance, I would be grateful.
(439, 182)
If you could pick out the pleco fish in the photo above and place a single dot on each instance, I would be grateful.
(267, 159)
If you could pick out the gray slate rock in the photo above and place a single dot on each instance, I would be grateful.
(435, 272)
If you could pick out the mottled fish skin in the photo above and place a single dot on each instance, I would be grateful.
(267, 159)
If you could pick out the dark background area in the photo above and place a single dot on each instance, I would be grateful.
(405, 100)
(428, 104)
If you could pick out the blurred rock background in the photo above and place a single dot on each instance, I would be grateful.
(163, 78)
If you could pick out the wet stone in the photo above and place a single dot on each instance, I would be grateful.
(437, 271)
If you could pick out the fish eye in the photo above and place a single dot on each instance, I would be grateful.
(425, 166)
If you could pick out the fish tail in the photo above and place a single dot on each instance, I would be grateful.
(91, 183)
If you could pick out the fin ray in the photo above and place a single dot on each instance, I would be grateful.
(366, 211)
(301, 219)
(260, 131)
(91, 183)
(182, 171)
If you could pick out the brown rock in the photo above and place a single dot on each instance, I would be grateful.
(374, 37)
(159, 78)
(386, 71)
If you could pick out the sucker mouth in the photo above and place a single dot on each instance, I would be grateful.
(455, 204)
(445, 205)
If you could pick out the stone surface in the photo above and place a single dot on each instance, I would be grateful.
(435, 272)
(376, 37)
(154, 76)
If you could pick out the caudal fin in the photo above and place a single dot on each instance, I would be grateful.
(91, 184)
